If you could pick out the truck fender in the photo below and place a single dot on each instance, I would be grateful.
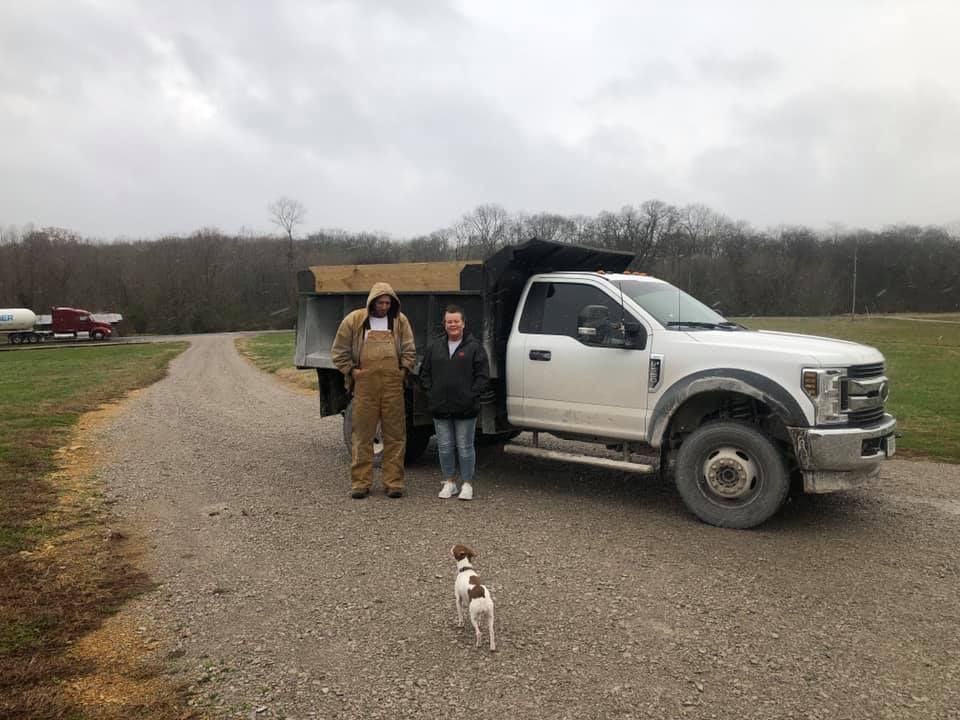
(745, 382)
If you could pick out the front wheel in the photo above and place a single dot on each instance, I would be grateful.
(730, 474)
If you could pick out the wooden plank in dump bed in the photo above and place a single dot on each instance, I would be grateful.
(403, 277)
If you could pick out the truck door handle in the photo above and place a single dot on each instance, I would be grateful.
(540, 355)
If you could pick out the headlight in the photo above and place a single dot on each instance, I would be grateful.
(823, 387)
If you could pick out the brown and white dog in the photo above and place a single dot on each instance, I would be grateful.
(471, 596)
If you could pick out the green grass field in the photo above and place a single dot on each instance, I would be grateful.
(273, 353)
(59, 579)
(923, 363)
(44, 392)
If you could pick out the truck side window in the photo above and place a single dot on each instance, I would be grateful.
(553, 308)
(532, 318)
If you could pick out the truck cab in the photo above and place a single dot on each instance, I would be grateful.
(72, 321)
(635, 362)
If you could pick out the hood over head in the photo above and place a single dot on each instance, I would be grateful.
(382, 288)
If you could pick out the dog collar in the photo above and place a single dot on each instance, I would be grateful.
(466, 567)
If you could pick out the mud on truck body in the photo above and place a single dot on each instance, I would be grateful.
(583, 350)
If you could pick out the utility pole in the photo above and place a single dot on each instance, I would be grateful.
(853, 305)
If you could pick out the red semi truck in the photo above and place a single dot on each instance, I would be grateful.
(23, 326)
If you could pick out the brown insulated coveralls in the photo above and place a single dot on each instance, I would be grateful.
(378, 389)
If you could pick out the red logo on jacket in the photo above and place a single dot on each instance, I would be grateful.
(460, 354)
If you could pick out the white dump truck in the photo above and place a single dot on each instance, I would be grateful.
(583, 350)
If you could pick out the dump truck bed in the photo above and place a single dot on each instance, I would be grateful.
(329, 293)
(488, 292)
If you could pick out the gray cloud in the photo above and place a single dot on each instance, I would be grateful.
(707, 71)
(744, 71)
(836, 155)
(643, 81)
(147, 118)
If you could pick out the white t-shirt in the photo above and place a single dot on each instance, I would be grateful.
(377, 323)
(453, 345)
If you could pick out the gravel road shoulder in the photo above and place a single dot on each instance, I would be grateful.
(278, 596)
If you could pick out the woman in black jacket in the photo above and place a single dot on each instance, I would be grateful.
(454, 373)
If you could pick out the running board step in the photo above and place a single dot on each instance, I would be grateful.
(579, 459)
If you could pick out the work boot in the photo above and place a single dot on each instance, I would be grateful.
(359, 494)
(466, 491)
(395, 492)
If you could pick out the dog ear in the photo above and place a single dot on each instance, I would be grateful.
(459, 552)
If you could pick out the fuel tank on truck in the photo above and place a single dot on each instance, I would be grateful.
(16, 319)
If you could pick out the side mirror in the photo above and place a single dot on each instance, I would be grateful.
(593, 324)
(635, 335)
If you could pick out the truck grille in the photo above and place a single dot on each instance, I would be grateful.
(865, 371)
(861, 418)
(862, 394)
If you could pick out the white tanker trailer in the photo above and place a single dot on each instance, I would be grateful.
(18, 323)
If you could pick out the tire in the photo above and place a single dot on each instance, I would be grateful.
(417, 440)
(496, 438)
(730, 474)
(16, 339)
(96, 336)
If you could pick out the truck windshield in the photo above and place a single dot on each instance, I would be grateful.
(673, 308)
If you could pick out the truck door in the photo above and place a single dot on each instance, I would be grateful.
(572, 380)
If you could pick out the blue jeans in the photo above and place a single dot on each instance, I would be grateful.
(455, 441)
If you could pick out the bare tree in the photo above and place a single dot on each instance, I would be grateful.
(482, 232)
(286, 213)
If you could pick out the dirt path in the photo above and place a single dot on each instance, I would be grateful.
(279, 594)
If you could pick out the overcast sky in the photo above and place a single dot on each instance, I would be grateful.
(145, 118)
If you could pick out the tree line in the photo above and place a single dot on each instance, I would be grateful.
(211, 281)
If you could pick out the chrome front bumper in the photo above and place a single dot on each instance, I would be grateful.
(834, 459)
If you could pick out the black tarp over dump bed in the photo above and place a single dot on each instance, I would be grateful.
(506, 272)
(488, 292)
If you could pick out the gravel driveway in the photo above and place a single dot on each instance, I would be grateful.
(279, 596)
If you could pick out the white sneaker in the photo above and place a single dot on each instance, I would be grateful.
(448, 490)
(466, 491)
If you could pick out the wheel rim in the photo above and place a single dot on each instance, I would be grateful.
(378, 442)
(730, 476)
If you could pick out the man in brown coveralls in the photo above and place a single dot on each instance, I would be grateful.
(374, 349)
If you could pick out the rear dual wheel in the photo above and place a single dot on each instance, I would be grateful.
(417, 439)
